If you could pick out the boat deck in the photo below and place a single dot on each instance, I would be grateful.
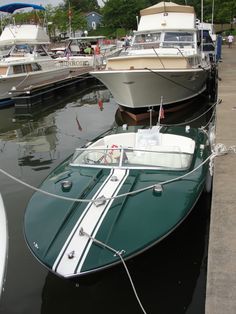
(221, 275)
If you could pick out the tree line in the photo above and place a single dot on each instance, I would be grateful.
(121, 14)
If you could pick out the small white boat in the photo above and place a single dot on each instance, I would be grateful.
(75, 55)
(163, 63)
(3, 244)
(25, 61)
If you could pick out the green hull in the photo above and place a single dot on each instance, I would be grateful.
(64, 234)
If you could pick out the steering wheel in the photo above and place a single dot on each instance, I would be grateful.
(101, 158)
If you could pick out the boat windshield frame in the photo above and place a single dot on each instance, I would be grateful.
(179, 39)
(127, 157)
(164, 39)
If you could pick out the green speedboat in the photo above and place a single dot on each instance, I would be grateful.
(116, 197)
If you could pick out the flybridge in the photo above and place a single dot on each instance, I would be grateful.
(21, 34)
(167, 15)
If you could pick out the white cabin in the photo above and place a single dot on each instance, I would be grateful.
(26, 33)
(167, 15)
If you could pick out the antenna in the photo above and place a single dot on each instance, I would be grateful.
(70, 16)
(202, 27)
(212, 13)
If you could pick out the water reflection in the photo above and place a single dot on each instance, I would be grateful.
(39, 138)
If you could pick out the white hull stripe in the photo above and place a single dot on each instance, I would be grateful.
(78, 246)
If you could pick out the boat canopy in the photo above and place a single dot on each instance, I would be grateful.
(164, 7)
(12, 7)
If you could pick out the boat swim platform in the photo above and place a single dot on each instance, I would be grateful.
(34, 96)
(221, 272)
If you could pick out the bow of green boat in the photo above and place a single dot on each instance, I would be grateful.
(116, 197)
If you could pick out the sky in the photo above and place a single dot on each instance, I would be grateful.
(39, 2)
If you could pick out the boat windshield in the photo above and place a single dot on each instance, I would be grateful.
(4, 50)
(156, 157)
(179, 39)
(147, 39)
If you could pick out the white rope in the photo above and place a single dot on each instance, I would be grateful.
(217, 150)
(21, 82)
(220, 149)
(198, 117)
(119, 253)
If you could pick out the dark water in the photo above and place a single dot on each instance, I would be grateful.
(170, 278)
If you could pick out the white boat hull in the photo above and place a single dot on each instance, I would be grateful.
(22, 81)
(76, 61)
(87, 60)
(144, 88)
(3, 243)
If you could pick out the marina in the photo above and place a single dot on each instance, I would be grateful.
(117, 187)
(30, 149)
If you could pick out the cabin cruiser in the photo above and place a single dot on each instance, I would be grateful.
(24, 59)
(164, 63)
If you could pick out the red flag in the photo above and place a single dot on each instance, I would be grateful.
(162, 113)
(78, 124)
(100, 104)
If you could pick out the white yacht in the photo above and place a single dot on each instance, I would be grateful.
(24, 59)
(164, 63)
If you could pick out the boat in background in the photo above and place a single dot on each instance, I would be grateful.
(208, 27)
(207, 38)
(95, 212)
(164, 63)
(75, 54)
(25, 61)
(3, 244)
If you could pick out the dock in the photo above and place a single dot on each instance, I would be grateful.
(38, 95)
(221, 272)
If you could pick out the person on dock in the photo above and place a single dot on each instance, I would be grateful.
(230, 40)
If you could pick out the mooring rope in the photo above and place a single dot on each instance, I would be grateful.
(196, 118)
(16, 85)
(217, 150)
(172, 81)
(118, 253)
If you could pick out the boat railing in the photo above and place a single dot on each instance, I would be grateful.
(154, 156)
